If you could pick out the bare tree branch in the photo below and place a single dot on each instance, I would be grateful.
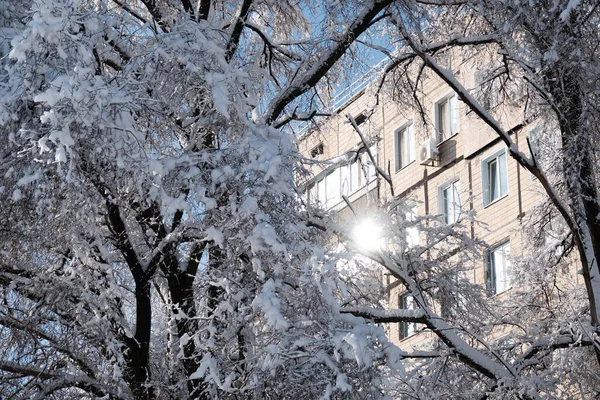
(238, 26)
(307, 80)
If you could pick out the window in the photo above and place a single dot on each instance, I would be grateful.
(332, 188)
(312, 193)
(446, 118)
(326, 191)
(321, 192)
(494, 177)
(317, 151)
(350, 178)
(405, 329)
(369, 172)
(449, 201)
(360, 119)
(344, 179)
(497, 269)
(412, 232)
(404, 146)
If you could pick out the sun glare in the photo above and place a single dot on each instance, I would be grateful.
(367, 235)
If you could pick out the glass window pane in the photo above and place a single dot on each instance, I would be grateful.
(404, 148)
(410, 143)
(443, 119)
(493, 179)
(405, 329)
(398, 142)
(498, 269)
(453, 114)
(456, 200)
(447, 207)
(450, 203)
(345, 180)
(333, 188)
(412, 232)
(322, 195)
(503, 181)
(354, 177)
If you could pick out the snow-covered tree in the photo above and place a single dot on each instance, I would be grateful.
(153, 245)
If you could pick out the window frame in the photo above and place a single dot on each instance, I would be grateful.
(361, 118)
(406, 329)
(404, 145)
(453, 184)
(452, 113)
(318, 151)
(500, 159)
(493, 286)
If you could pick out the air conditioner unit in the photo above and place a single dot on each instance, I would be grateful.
(427, 151)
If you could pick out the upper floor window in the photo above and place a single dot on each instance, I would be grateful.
(317, 151)
(449, 201)
(497, 269)
(446, 118)
(405, 329)
(404, 140)
(361, 118)
(494, 177)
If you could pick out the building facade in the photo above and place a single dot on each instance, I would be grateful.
(441, 158)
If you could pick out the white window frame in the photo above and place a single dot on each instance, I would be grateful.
(450, 116)
(404, 145)
(406, 329)
(498, 268)
(494, 186)
(450, 206)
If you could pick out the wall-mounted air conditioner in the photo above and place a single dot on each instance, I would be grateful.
(427, 151)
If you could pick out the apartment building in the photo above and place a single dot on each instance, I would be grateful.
(446, 162)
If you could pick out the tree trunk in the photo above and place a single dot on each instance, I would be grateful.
(138, 352)
(578, 164)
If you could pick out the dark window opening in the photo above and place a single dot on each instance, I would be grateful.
(360, 119)
(317, 151)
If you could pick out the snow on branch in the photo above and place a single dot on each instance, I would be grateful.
(56, 380)
(550, 344)
(386, 316)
